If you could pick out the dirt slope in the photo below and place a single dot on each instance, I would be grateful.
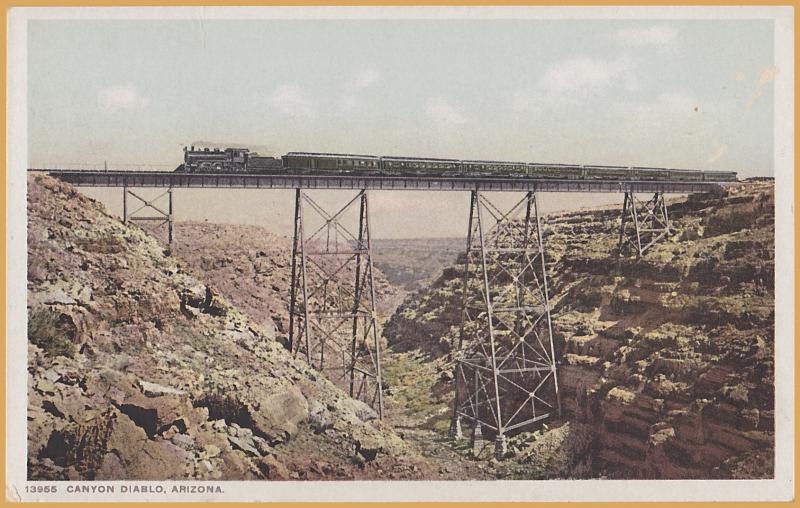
(139, 370)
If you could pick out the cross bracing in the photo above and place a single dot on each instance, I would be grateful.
(333, 317)
(506, 379)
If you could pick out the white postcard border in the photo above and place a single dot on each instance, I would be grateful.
(779, 489)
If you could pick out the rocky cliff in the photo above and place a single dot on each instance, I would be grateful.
(666, 366)
(140, 370)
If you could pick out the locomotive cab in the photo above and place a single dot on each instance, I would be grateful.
(237, 158)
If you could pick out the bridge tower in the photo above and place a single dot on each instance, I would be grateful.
(333, 320)
(643, 223)
(158, 219)
(505, 376)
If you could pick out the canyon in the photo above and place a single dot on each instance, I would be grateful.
(151, 363)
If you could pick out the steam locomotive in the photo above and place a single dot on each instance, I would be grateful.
(240, 160)
(229, 160)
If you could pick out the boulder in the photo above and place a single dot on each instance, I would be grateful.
(273, 469)
(235, 467)
(200, 298)
(360, 409)
(46, 387)
(194, 295)
(157, 390)
(276, 415)
(183, 441)
(319, 417)
(157, 414)
(112, 446)
(243, 444)
(211, 450)
(70, 403)
(58, 296)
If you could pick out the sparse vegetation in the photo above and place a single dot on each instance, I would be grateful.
(45, 330)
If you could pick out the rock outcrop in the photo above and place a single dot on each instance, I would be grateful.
(667, 358)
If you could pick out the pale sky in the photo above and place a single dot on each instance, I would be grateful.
(694, 94)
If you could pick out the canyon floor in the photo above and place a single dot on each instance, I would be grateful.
(146, 363)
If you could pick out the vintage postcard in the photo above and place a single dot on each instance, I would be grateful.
(400, 254)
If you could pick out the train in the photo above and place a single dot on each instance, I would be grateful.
(240, 160)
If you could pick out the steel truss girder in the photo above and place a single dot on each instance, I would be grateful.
(152, 223)
(506, 379)
(283, 180)
(643, 223)
(333, 324)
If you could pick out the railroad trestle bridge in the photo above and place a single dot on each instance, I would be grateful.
(508, 379)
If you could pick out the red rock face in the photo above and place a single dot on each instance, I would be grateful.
(680, 343)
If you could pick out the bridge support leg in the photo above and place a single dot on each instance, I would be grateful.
(477, 440)
(150, 214)
(506, 377)
(333, 319)
(456, 430)
(643, 223)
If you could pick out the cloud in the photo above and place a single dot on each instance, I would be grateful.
(570, 83)
(442, 112)
(352, 89)
(766, 77)
(655, 35)
(366, 78)
(289, 100)
(717, 154)
(583, 74)
(121, 97)
(666, 111)
(666, 107)
(525, 100)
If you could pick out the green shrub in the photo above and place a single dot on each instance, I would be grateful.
(45, 331)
